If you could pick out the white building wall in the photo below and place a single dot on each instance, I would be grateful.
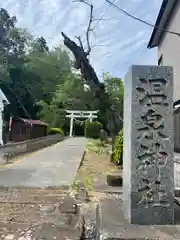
(169, 48)
(2, 98)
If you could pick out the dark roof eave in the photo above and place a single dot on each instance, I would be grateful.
(162, 20)
(150, 44)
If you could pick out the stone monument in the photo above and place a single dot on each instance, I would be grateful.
(148, 182)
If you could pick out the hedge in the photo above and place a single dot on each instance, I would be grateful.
(52, 131)
(118, 149)
(92, 129)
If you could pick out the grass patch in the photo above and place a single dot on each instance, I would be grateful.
(97, 146)
(96, 165)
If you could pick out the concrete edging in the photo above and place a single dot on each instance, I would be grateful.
(12, 150)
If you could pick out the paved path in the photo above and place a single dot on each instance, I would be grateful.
(55, 166)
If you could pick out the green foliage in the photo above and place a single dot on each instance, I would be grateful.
(115, 88)
(52, 114)
(97, 146)
(118, 149)
(88, 183)
(46, 71)
(40, 82)
(71, 94)
(92, 129)
(114, 85)
(52, 131)
(29, 71)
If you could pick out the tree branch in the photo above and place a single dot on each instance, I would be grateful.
(89, 25)
(80, 42)
(83, 1)
(88, 30)
(102, 19)
(82, 63)
(89, 75)
(99, 45)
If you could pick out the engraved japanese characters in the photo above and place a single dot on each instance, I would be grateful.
(148, 145)
(152, 154)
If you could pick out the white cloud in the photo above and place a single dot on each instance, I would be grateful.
(123, 39)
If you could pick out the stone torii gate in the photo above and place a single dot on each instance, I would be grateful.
(73, 114)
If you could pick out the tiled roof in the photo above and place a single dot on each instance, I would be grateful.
(33, 122)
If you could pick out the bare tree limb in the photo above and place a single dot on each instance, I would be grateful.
(82, 62)
(89, 25)
(80, 42)
(102, 19)
(99, 45)
(82, 1)
(88, 30)
(89, 75)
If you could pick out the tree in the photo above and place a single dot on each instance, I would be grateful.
(90, 76)
(29, 72)
(52, 114)
(44, 71)
(40, 82)
(115, 88)
(71, 95)
(6, 24)
(12, 49)
(40, 45)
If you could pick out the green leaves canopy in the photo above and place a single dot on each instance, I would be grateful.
(40, 82)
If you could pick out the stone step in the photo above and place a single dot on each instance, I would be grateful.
(111, 224)
(114, 180)
(45, 231)
(58, 221)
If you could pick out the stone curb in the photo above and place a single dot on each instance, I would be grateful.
(9, 151)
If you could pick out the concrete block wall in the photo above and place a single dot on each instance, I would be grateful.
(14, 149)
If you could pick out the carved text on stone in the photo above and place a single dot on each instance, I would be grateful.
(152, 155)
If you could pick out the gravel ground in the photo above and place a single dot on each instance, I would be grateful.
(28, 214)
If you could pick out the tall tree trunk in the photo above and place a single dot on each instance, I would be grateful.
(98, 88)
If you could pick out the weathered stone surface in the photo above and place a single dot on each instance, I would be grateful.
(28, 235)
(82, 194)
(68, 205)
(114, 180)
(49, 210)
(148, 146)
(9, 237)
(103, 136)
(54, 232)
(110, 153)
(90, 221)
(111, 224)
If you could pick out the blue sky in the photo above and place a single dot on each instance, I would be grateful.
(117, 43)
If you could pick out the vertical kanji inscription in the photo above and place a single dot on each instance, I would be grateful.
(148, 148)
(152, 155)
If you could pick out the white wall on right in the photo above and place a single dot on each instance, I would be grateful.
(169, 49)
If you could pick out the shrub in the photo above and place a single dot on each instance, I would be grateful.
(52, 131)
(92, 129)
(118, 149)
